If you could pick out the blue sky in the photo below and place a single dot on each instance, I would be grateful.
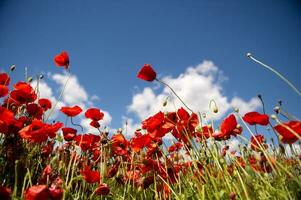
(108, 41)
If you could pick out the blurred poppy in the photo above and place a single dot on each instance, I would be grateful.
(286, 135)
(90, 176)
(3, 90)
(254, 118)
(94, 114)
(4, 79)
(5, 193)
(45, 104)
(147, 73)
(71, 111)
(69, 133)
(37, 192)
(257, 141)
(102, 189)
(62, 59)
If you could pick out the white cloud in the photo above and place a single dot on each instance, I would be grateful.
(244, 106)
(74, 93)
(45, 91)
(197, 86)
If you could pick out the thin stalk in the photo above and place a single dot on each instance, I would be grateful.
(249, 55)
(174, 94)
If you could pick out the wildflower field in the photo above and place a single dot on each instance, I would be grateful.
(42, 159)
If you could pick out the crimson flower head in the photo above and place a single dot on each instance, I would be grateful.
(71, 111)
(37, 192)
(94, 114)
(254, 118)
(69, 133)
(62, 59)
(285, 131)
(45, 103)
(147, 73)
(89, 175)
(4, 79)
(3, 90)
(257, 141)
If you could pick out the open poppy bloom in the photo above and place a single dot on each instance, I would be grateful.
(147, 73)
(3, 90)
(287, 136)
(90, 176)
(45, 104)
(71, 111)
(139, 142)
(37, 192)
(94, 114)
(62, 59)
(4, 79)
(38, 132)
(69, 133)
(228, 127)
(254, 118)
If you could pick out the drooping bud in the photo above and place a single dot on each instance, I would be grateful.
(249, 55)
(12, 68)
(277, 109)
(30, 79)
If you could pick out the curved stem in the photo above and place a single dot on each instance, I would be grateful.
(174, 93)
(276, 72)
(77, 125)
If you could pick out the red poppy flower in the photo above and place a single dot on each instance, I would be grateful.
(4, 79)
(102, 189)
(257, 141)
(71, 111)
(228, 127)
(254, 118)
(45, 104)
(38, 132)
(3, 90)
(34, 110)
(6, 119)
(120, 146)
(69, 133)
(62, 60)
(5, 193)
(94, 114)
(90, 176)
(112, 171)
(147, 73)
(87, 141)
(287, 136)
(95, 124)
(141, 141)
(37, 192)
(175, 147)
(23, 93)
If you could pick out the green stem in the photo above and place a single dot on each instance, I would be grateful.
(249, 55)
(174, 93)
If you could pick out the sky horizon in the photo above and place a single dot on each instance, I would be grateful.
(199, 48)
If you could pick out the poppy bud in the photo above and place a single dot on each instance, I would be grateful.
(215, 110)
(12, 68)
(249, 55)
(29, 79)
(274, 117)
(277, 109)
(41, 76)
(236, 110)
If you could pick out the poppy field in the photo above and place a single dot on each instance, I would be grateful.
(42, 159)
